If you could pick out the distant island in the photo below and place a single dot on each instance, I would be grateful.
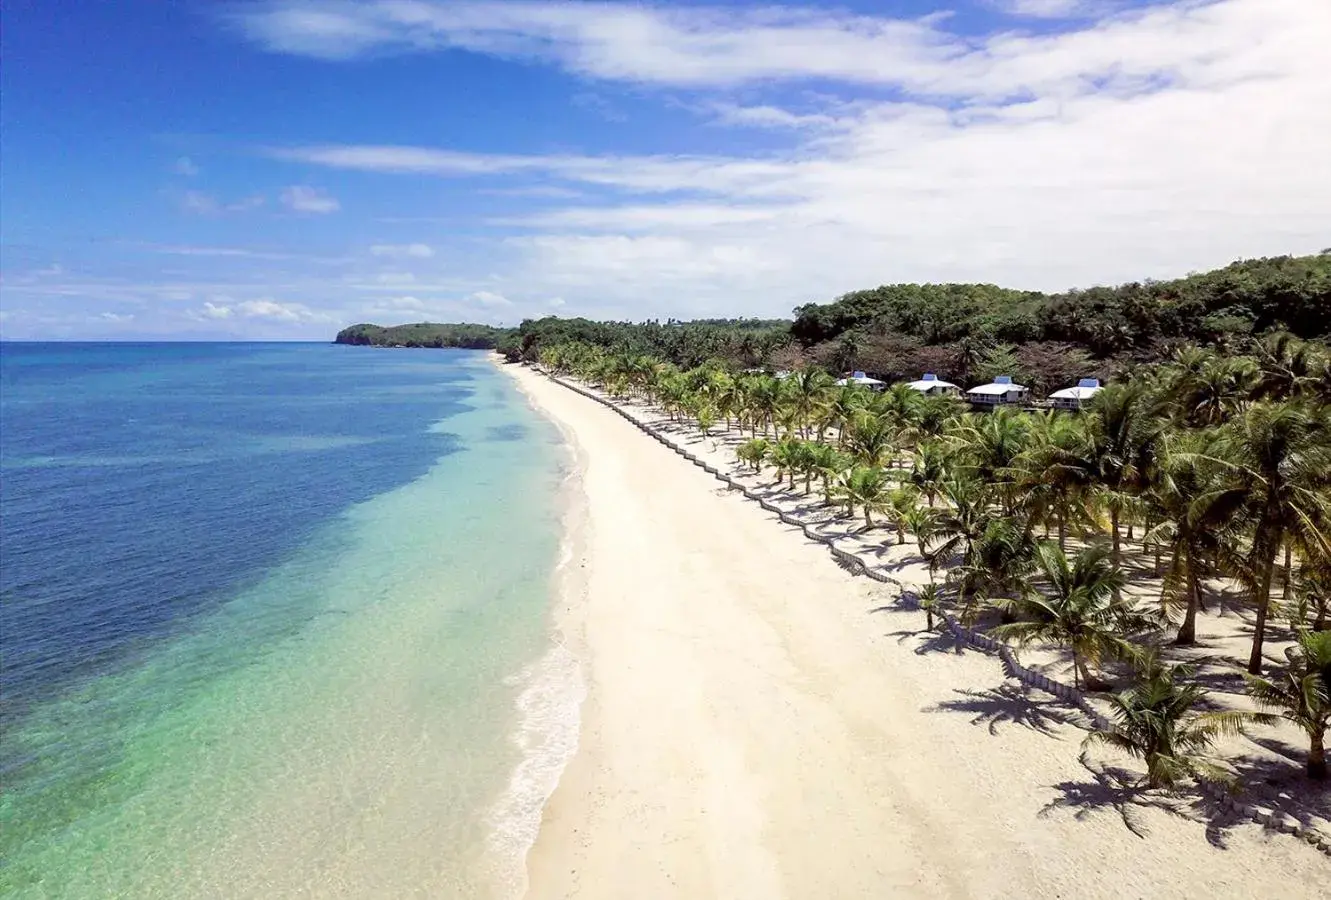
(897, 331)
(425, 334)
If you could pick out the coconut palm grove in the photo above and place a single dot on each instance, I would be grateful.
(1195, 485)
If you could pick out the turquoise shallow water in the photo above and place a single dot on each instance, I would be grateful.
(215, 694)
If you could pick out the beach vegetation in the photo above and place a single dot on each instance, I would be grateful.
(1195, 474)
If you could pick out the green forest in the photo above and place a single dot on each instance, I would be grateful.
(964, 332)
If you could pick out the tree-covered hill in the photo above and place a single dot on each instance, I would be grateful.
(963, 332)
(425, 334)
(1287, 293)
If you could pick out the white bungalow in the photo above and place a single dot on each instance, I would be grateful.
(932, 384)
(1076, 397)
(862, 380)
(999, 392)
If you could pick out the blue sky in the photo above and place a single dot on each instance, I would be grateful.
(277, 169)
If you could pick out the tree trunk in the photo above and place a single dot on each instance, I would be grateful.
(868, 522)
(1266, 564)
(1062, 530)
(1286, 575)
(1113, 527)
(1187, 633)
(901, 536)
(1317, 757)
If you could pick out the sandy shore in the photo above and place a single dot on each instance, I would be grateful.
(759, 724)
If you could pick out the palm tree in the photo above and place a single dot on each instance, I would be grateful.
(990, 444)
(726, 394)
(866, 487)
(1191, 515)
(1286, 367)
(1079, 612)
(842, 406)
(806, 462)
(999, 562)
(1052, 475)
(922, 522)
(898, 408)
(929, 469)
(959, 526)
(931, 601)
(785, 455)
(1121, 429)
(764, 398)
(936, 415)
(1206, 389)
(807, 390)
(704, 414)
(871, 440)
(901, 506)
(754, 452)
(828, 464)
(1302, 694)
(1155, 721)
(1278, 457)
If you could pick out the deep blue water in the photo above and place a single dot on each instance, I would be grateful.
(142, 485)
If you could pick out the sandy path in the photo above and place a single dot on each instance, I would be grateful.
(753, 731)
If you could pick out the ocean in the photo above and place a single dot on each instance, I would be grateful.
(275, 622)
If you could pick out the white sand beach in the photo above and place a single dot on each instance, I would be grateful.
(761, 724)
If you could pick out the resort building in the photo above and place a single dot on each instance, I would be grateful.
(863, 380)
(1076, 397)
(999, 392)
(932, 384)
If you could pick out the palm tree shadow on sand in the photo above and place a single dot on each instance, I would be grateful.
(1121, 790)
(1007, 705)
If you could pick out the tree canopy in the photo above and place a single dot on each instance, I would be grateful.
(963, 332)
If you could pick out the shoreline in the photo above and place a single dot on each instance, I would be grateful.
(744, 733)
(568, 594)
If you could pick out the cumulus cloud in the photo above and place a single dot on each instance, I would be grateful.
(214, 311)
(304, 199)
(402, 251)
(490, 299)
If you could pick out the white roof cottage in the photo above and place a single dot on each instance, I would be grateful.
(1000, 390)
(932, 384)
(862, 380)
(1074, 397)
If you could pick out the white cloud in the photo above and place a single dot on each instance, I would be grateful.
(490, 299)
(116, 317)
(694, 46)
(214, 311)
(403, 303)
(185, 166)
(205, 204)
(402, 251)
(1144, 144)
(279, 312)
(305, 199)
